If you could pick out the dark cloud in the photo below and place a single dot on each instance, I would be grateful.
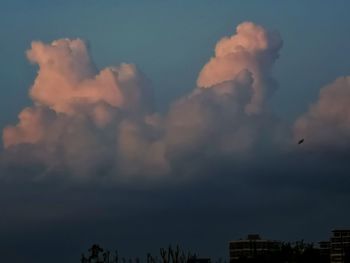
(283, 197)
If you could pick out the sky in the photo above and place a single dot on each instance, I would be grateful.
(135, 124)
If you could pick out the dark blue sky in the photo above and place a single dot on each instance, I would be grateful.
(209, 195)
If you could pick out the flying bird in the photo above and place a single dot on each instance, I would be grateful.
(301, 141)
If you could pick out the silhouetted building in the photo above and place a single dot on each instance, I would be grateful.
(325, 251)
(251, 248)
(198, 260)
(340, 246)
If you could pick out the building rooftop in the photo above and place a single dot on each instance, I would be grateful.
(252, 237)
(341, 230)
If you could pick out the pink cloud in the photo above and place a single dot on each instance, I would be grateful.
(30, 129)
(327, 122)
(85, 120)
(252, 48)
(67, 76)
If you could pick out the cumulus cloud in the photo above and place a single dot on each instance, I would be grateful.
(327, 122)
(76, 108)
(227, 108)
(251, 48)
(216, 115)
(30, 129)
(67, 77)
(87, 121)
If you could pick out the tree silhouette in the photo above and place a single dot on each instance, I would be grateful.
(169, 255)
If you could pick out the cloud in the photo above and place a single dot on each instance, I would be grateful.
(30, 129)
(216, 115)
(252, 48)
(326, 125)
(141, 149)
(226, 114)
(86, 122)
(72, 124)
(67, 77)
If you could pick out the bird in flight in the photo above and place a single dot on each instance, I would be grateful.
(301, 141)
